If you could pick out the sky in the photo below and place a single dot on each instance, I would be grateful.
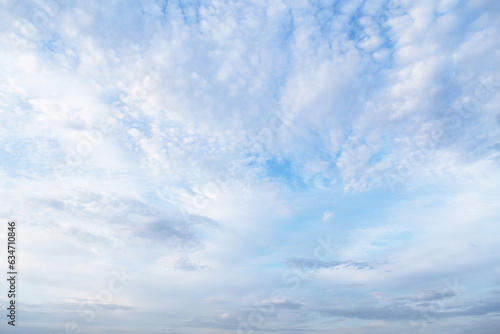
(239, 167)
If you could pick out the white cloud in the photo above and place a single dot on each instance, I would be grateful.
(193, 90)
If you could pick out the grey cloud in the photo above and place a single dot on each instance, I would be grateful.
(233, 323)
(183, 263)
(71, 306)
(388, 312)
(495, 146)
(403, 311)
(277, 306)
(478, 308)
(289, 306)
(177, 231)
(53, 203)
(213, 322)
(313, 264)
(87, 236)
(171, 232)
(196, 219)
(117, 307)
(428, 296)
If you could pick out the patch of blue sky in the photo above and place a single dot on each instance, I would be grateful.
(54, 49)
(362, 209)
(190, 12)
(34, 155)
(279, 168)
(54, 44)
(283, 171)
(355, 32)
(389, 242)
(380, 155)
(11, 156)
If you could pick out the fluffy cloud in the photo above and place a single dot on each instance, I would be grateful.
(209, 147)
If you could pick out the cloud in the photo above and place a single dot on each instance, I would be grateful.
(327, 215)
(397, 311)
(181, 263)
(429, 296)
(233, 129)
(168, 232)
(313, 264)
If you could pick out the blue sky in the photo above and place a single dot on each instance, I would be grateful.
(321, 166)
